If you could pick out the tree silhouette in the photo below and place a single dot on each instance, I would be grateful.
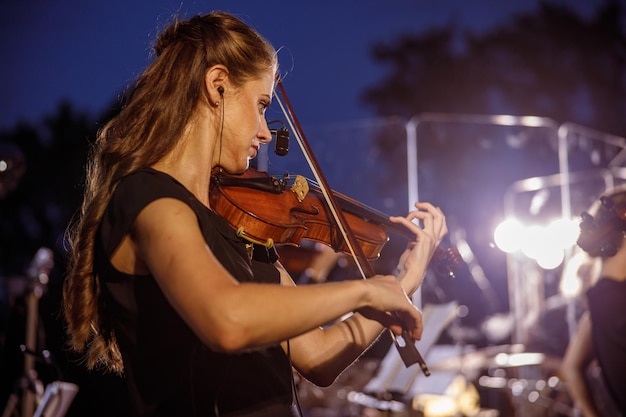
(553, 64)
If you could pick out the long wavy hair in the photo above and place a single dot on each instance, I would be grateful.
(152, 119)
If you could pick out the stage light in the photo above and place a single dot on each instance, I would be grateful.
(544, 243)
(507, 235)
(565, 232)
(534, 241)
(551, 258)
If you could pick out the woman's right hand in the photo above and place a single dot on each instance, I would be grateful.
(388, 304)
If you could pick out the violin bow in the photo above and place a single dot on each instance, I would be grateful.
(407, 350)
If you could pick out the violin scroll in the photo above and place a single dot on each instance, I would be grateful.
(447, 261)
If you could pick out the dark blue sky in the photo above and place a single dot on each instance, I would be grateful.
(87, 51)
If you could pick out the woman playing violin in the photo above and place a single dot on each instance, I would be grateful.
(160, 287)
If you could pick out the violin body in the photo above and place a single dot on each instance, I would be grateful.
(269, 210)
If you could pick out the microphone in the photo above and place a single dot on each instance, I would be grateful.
(281, 142)
(41, 265)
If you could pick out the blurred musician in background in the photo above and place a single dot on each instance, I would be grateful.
(601, 332)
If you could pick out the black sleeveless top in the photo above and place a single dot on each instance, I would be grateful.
(169, 372)
(607, 307)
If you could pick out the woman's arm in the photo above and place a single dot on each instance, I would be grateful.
(578, 356)
(322, 354)
(230, 316)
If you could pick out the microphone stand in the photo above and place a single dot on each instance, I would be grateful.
(29, 386)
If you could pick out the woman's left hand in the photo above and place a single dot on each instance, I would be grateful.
(414, 261)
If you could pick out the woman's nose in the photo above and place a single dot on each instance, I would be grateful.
(264, 135)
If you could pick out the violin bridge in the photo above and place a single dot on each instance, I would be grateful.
(300, 187)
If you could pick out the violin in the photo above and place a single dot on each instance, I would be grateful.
(269, 210)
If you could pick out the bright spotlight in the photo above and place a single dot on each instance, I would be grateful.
(551, 258)
(565, 232)
(535, 241)
(544, 244)
(507, 235)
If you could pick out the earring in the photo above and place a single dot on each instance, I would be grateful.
(217, 103)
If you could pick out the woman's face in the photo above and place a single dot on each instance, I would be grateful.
(245, 127)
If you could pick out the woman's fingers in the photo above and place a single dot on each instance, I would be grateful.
(409, 322)
(391, 306)
(432, 218)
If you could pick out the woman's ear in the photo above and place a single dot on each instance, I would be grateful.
(214, 82)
